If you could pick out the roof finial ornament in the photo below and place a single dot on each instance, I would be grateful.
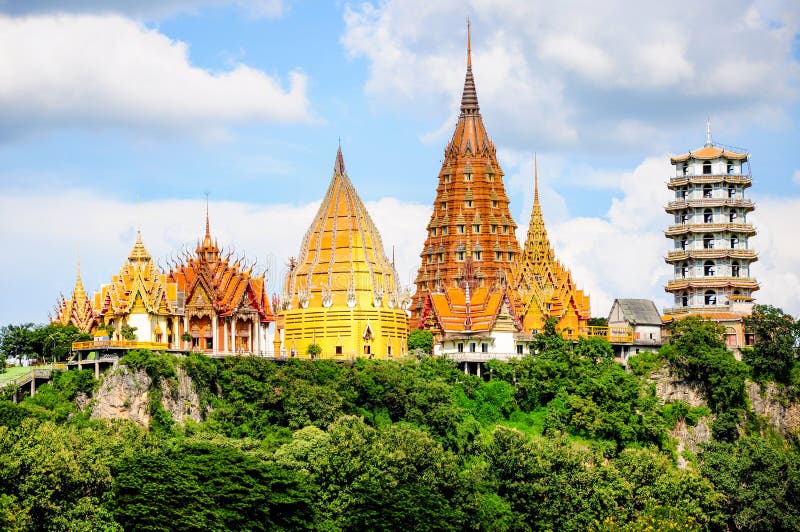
(208, 228)
(338, 167)
(708, 132)
(469, 45)
(535, 179)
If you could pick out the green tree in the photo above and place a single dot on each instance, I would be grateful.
(775, 351)
(128, 332)
(55, 340)
(420, 339)
(18, 340)
(314, 350)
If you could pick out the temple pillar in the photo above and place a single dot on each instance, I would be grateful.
(233, 334)
(186, 329)
(214, 334)
(225, 335)
(176, 333)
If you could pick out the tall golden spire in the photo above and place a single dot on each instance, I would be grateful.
(535, 180)
(139, 253)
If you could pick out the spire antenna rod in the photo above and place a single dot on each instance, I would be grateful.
(708, 132)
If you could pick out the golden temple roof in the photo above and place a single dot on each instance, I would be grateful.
(76, 310)
(341, 260)
(543, 286)
(139, 286)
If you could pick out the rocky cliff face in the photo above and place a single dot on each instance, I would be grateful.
(671, 389)
(772, 404)
(125, 394)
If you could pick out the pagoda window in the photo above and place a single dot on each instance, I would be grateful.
(459, 255)
(706, 167)
(389, 350)
(476, 228)
(685, 169)
(472, 347)
(493, 228)
(468, 203)
(520, 347)
(460, 347)
(430, 259)
(444, 205)
(484, 347)
(684, 300)
(495, 203)
(684, 218)
(732, 217)
(510, 256)
(444, 230)
(708, 216)
(447, 178)
(710, 297)
(684, 269)
(467, 178)
(734, 242)
(735, 269)
(708, 241)
(476, 255)
(682, 243)
(707, 191)
(433, 231)
(505, 229)
(498, 255)
(731, 192)
(339, 350)
(460, 229)
(729, 167)
(709, 269)
(209, 343)
(441, 257)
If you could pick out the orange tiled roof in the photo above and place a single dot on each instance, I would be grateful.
(709, 152)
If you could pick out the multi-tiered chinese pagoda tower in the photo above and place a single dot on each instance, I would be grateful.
(711, 253)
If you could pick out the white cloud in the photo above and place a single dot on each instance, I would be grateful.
(597, 75)
(98, 71)
(47, 230)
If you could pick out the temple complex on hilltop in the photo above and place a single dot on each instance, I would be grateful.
(205, 303)
(711, 253)
(471, 218)
(476, 291)
(543, 286)
(226, 307)
(342, 293)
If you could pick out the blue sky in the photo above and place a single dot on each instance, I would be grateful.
(113, 117)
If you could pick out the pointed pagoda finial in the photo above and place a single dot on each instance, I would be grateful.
(208, 226)
(708, 132)
(469, 45)
(469, 98)
(535, 180)
(338, 167)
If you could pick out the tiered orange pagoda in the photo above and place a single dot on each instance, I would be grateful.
(543, 286)
(470, 214)
(226, 307)
(475, 289)
(76, 310)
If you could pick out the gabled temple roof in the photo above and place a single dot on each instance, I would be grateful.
(76, 310)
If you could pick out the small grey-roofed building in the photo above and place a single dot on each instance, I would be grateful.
(643, 317)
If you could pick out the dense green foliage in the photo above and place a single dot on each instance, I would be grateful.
(563, 440)
(775, 353)
(52, 341)
(420, 339)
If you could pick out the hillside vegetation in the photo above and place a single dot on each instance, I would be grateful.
(565, 440)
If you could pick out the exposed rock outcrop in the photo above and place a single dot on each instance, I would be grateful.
(689, 438)
(671, 389)
(125, 394)
(771, 403)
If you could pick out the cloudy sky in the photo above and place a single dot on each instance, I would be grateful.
(115, 115)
